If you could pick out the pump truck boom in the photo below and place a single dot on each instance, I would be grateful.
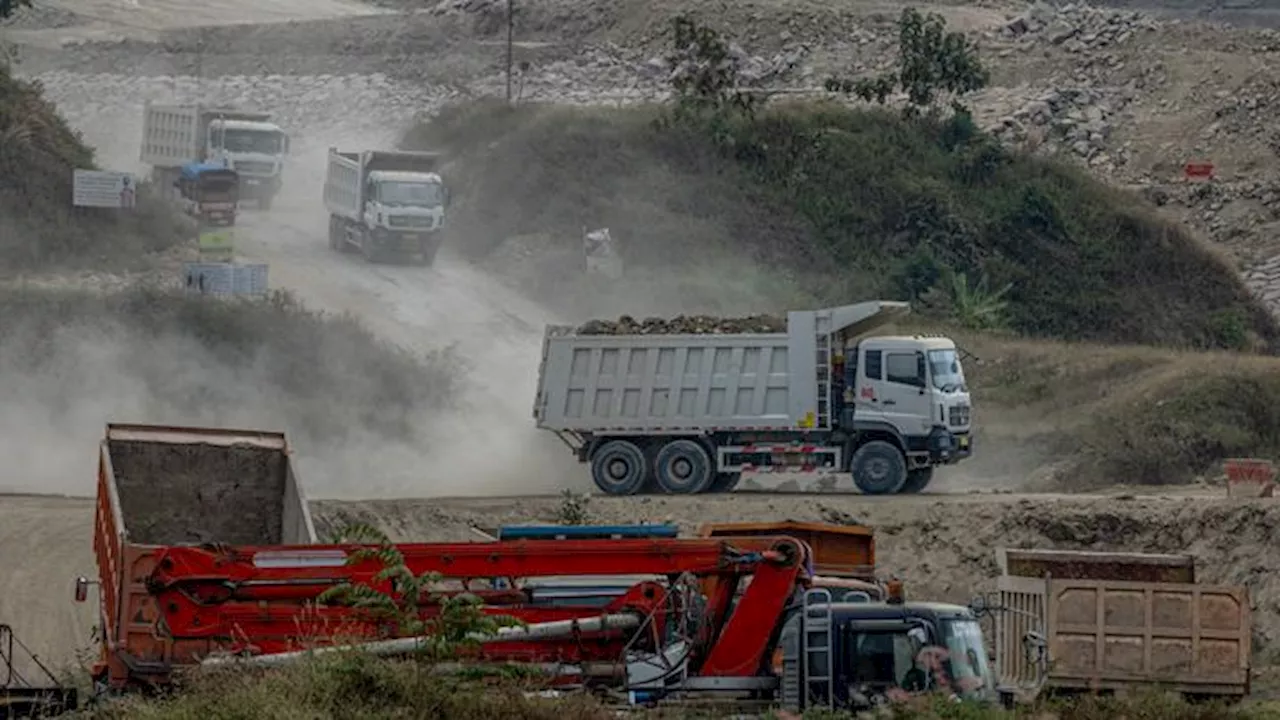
(710, 631)
(690, 413)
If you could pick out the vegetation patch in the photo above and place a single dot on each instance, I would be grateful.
(351, 685)
(197, 358)
(38, 225)
(841, 203)
(1120, 414)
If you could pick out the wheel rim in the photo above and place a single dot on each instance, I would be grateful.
(681, 468)
(617, 469)
(877, 469)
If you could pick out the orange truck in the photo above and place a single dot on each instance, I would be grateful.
(163, 486)
(1112, 621)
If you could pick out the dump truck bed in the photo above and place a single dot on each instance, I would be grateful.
(1107, 633)
(160, 486)
(611, 383)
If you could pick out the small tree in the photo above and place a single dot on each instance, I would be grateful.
(573, 508)
(705, 76)
(932, 64)
(456, 625)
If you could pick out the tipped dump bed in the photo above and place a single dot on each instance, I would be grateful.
(181, 486)
(160, 486)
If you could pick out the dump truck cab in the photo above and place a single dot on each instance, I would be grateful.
(912, 391)
(209, 192)
(855, 655)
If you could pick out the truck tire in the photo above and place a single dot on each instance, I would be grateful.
(879, 468)
(367, 248)
(725, 482)
(684, 467)
(618, 467)
(337, 235)
(917, 480)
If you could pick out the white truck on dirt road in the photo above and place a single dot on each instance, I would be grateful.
(385, 203)
(242, 140)
(689, 406)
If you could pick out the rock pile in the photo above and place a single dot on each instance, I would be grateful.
(1078, 28)
(685, 325)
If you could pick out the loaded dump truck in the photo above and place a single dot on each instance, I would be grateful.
(1118, 621)
(163, 486)
(689, 405)
(385, 203)
(241, 140)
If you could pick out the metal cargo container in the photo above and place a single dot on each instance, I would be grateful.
(161, 486)
(1112, 633)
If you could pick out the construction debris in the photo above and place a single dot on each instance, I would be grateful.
(685, 325)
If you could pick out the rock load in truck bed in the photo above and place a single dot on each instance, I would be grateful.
(172, 494)
(685, 325)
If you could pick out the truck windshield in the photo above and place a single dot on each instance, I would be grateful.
(419, 194)
(252, 141)
(944, 368)
(967, 655)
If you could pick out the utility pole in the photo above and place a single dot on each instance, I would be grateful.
(510, 37)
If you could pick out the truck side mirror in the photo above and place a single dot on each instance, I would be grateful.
(921, 372)
(82, 588)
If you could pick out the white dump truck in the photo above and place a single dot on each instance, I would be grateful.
(242, 140)
(689, 410)
(385, 203)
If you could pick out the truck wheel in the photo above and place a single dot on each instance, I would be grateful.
(618, 467)
(684, 467)
(367, 247)
(336, 240)
(917, 480)
(725, 482)
(879, 468)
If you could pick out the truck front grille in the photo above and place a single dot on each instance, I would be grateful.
(411, 221)
(254, 167)
(958, 416)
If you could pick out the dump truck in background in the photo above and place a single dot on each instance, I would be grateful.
(386, 203)
(162, 486)
(243, 140)
(1118, 621)
(688, 405)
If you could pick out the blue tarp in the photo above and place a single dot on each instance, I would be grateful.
(196, 169)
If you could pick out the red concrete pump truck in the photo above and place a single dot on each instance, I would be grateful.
(735, 615)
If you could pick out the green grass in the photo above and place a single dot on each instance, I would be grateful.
(846, 205)
(354, 686)
(38, 225)
(1122, 413)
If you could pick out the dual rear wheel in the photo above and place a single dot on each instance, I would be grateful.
(677, 467)
(686, 467)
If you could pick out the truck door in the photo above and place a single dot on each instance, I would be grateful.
(892, 386)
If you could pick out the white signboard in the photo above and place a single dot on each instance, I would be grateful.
(601, 254)
(104, 189)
